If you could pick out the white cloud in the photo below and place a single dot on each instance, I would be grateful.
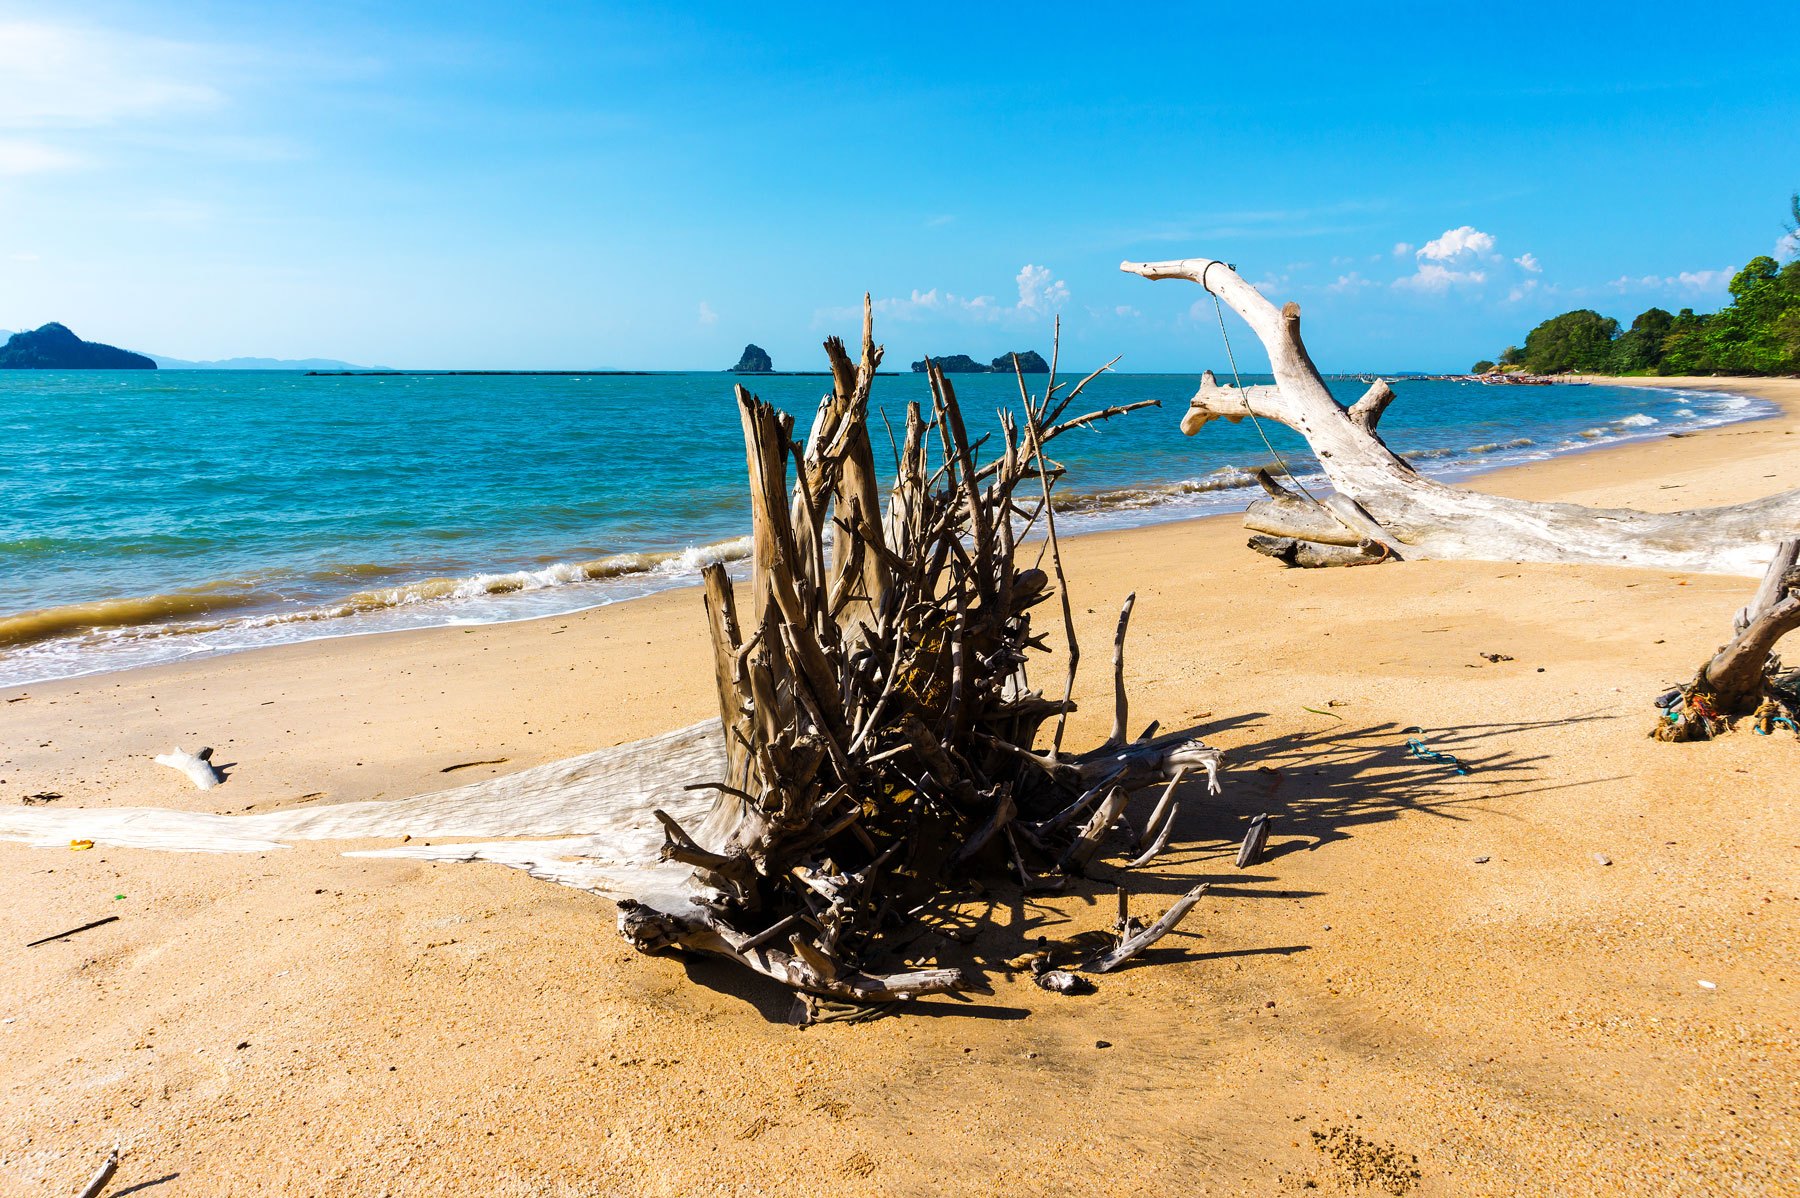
(707, 315)
(1687, 283)
(76, 77)
(20, 157)
(1466, 258)
(26, 257)
(1462, 242)
(1351, 282)
(1038, 292)
(1402, 248)
(1521, 290)
(938, 222)
(1434, 279)
(1788, 245)
(1127, 311)
(923, 304)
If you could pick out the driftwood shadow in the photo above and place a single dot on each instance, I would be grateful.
(1318, 787)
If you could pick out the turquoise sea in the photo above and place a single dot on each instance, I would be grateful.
(146, 517)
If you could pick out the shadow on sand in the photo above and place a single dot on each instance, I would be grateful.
(1319, 787)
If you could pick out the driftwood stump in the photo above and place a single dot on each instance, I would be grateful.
(1745, 677)
(874, 685)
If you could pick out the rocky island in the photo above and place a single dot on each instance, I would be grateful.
(1030, 362)
(54, 347)
(755, 360)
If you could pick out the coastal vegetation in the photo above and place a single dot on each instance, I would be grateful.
(1758, 333)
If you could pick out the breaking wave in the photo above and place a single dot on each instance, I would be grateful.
(184, 613)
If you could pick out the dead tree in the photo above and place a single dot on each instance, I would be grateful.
(1383, 508)
(879, 719)
(1745, 677)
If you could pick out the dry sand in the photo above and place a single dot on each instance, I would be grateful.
(1432, 984)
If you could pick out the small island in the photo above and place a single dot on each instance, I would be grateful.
(755, 360)
(1030, 362)
(54, 347)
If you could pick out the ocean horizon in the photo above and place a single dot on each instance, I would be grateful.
(148, 517)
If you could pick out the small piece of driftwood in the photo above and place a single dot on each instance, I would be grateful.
(1250, 852)
(98, 1182)
(197, 766)
(1131, 946)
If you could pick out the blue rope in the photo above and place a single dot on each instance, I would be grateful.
(1417, 748)
(1780, 719)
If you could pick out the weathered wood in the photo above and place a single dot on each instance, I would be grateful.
(1255, 838)
(1291, 516)
(1423, 518)
(1746, 675)
(877, 692)
(1316, 555)
(733, 692)
(1366, 412)
(98, 1182)
(1121, 701)
(1132, 946)
(1087, 841)
(197, 766)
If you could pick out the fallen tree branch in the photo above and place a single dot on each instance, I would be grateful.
(1414, 516)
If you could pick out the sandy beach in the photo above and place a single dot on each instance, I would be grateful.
(1571, 971)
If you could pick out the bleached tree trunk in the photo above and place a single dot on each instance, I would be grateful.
(1385, 507)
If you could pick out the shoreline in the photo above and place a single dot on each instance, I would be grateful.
(1427, 970)
(637, 584)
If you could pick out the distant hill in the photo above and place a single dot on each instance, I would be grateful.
(1030, 362)
(755, 360)
(260, 364)
(54, 347)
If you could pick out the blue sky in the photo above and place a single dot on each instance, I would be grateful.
(606, 185)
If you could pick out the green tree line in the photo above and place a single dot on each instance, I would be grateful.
(1757, 333)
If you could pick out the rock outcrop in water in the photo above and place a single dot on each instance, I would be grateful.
(755, 360)
(1030, 362)
(54, 347)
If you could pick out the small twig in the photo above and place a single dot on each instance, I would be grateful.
(83, 928)
(98, 1182)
